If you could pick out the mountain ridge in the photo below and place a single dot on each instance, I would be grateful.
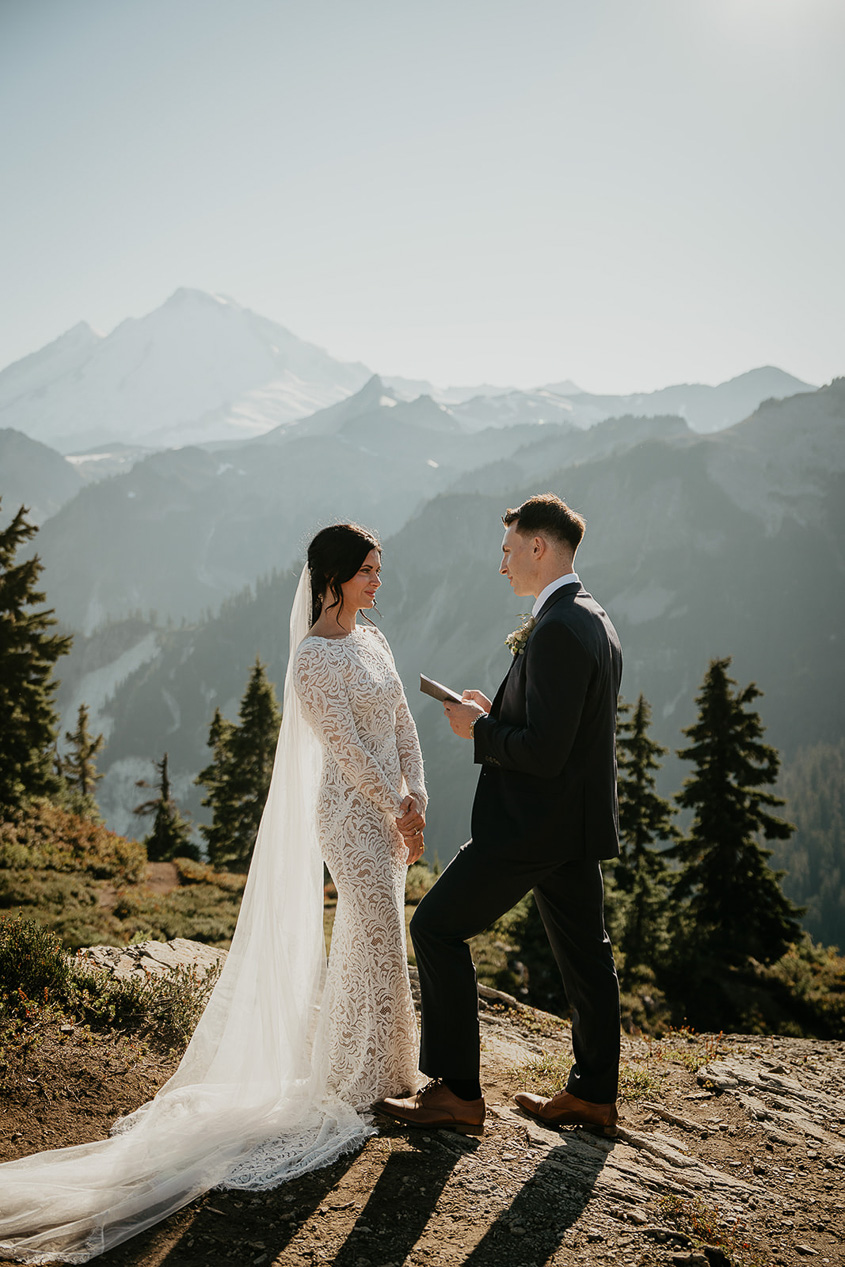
(204, 369)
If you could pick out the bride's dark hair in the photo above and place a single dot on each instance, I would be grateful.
(334, 556)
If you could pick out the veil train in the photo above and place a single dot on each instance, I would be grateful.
(248, 1106)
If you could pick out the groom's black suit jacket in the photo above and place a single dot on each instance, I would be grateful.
(547, 787)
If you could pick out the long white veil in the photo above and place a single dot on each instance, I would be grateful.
(247, 1106)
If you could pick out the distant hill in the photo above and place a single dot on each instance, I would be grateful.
(34, 475)
(200, 367)
(704, 408)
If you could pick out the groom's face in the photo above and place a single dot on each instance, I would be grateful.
(518, 560)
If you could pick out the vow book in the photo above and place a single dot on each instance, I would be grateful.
(429, 687)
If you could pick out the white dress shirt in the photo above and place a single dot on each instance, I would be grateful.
(571, 578)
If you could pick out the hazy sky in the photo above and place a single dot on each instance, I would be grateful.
(627, 193)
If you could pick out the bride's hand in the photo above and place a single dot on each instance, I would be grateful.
(416, 848)
(410, 820)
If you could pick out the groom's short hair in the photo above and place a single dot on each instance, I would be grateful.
(546, 514)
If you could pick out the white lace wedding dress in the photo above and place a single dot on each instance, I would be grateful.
(285, 1055)
(354, 700)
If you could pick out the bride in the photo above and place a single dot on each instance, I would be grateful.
(287, 1054)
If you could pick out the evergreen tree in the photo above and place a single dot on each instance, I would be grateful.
(736, 904)
(28, 654)
(645, 820)
(79, 767)
(171, 834)
(218, 778)
(237, 779)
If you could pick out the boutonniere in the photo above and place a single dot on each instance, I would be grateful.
(516, 641)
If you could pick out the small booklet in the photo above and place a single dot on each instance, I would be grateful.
(429, 687)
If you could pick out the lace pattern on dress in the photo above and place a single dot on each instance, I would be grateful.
(353, 698)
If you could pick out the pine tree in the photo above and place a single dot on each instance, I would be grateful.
(645, 821)
(28, 654)
(736, 904)
(218, 778)
(79, 767)
(171, 834)
(237, 779)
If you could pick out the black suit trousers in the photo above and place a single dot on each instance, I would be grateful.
(477, 887)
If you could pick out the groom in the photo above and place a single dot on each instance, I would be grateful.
(545, 812)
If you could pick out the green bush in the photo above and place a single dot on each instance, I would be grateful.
(36, 972)
(31, 959)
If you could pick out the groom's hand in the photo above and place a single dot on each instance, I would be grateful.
(461, 716)
(476, 697)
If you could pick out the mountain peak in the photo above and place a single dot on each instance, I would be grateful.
(772, 376)
(189, 295)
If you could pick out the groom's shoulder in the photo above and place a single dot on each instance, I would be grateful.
(582, 616)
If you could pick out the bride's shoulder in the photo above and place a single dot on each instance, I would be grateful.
(313, 645)
(311, 650)
(375, 632)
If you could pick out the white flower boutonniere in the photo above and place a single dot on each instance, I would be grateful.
(516, 641)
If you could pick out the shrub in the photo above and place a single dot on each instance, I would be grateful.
(44, 836)
(35, 971)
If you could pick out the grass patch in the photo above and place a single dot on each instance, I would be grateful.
(685, 1047)
(705, 1225)
(548, 1074)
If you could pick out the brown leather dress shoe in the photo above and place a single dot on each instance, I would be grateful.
(435, 1105)
(564, 1109)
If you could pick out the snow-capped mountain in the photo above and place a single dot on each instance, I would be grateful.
(201, 367)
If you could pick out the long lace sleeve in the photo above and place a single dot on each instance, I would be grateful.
(410, 754)
(320, 685)
(407, 740)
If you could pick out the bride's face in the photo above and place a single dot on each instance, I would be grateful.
(360, 590)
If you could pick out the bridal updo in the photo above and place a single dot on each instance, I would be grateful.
(334, 556)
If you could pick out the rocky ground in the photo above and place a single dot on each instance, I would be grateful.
(730, 1149)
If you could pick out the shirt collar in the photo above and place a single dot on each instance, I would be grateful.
(571, 578)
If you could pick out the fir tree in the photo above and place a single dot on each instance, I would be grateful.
(218, 778)
(171, 834)
(28, 654)
(79, 767)
(645, 821)
(736, 904)
(237, 779)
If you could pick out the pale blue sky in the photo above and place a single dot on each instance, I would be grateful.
(623, 192)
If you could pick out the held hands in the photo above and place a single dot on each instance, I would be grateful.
(411, 822)
(461, 716)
